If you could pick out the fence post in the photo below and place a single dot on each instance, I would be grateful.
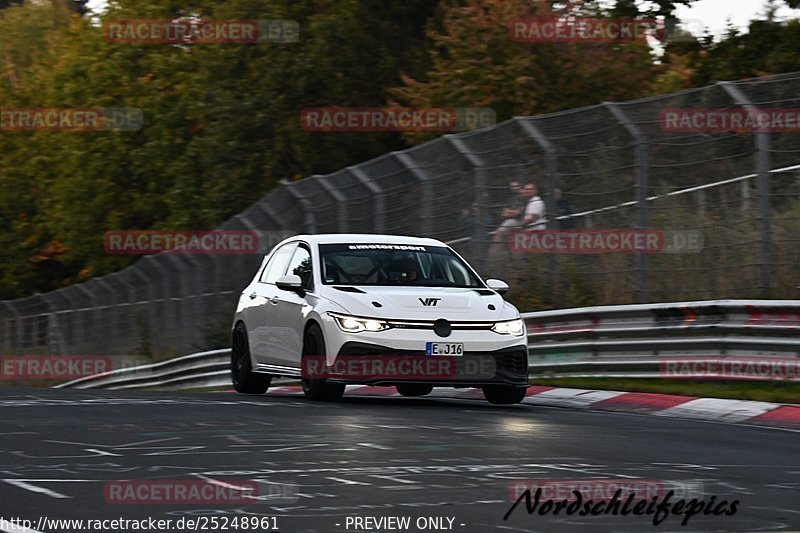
(763, 209)
(128, 302)
(426, 192)
(267, 209)
(82, 319)
(339, 198)
(380, 203)
(8, 340)
(642, 185)
(151, 320)
(110, 316)
(480, 248)
(56, 330)
(310, 223)
(550, 169)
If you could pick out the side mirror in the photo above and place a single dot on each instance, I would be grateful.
(292, 283)
(499, 286)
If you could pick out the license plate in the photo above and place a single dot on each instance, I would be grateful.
(444, 348)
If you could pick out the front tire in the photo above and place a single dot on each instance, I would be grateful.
(413, 389)
(504, 394)
(245, 381)
(318, 389)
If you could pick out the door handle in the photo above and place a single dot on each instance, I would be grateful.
(274, 300)
(253, 295)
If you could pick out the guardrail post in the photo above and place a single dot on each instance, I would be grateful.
(550, 166)
(380, 201)
(310, 223)
(338, 197)
(480, 249)
(642, 186)
(426, 193)
(763, 213)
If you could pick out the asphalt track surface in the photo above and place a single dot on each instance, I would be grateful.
(319, 466)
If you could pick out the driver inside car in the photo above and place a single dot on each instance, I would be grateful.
(408, 270)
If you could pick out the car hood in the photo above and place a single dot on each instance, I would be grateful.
(426, 303)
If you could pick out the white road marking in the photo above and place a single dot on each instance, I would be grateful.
(396, 479)
(347, 481)
(571, 397)
(718, 409)
(34, 488)
(373, 445)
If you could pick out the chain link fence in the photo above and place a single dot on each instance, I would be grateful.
(616, 165)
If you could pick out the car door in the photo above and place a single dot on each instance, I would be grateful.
(291, 309)
(262, 333)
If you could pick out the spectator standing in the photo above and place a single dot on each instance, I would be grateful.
(563, 209)
(535, 211)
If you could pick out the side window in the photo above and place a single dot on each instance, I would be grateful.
(277, 263)
(300, 265)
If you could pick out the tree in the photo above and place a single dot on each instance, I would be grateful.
(222, 121)
(476, 64)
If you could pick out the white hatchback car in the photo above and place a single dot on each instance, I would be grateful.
(377, 310)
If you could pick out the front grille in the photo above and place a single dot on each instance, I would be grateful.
(513, 360)
(428, 324)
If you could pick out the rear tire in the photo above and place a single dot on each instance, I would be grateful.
(318, 389)
(245, 381)
(413, 389)
(504, 394)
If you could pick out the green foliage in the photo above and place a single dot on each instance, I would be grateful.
(222, 120)
(476, 64)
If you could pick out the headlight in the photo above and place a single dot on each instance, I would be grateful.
(510, 327)
(352, 324)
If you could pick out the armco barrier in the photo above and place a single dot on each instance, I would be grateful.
(632, 340)
(607, 341)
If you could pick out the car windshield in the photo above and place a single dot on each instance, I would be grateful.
(393, 264)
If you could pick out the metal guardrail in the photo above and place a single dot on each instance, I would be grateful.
(634, 340)
(204, 369)
(606, 341)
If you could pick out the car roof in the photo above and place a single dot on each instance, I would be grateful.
(368, 238)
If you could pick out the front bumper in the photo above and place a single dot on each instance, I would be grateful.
(506, 366)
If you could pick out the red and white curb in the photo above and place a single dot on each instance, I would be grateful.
(688, 407)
